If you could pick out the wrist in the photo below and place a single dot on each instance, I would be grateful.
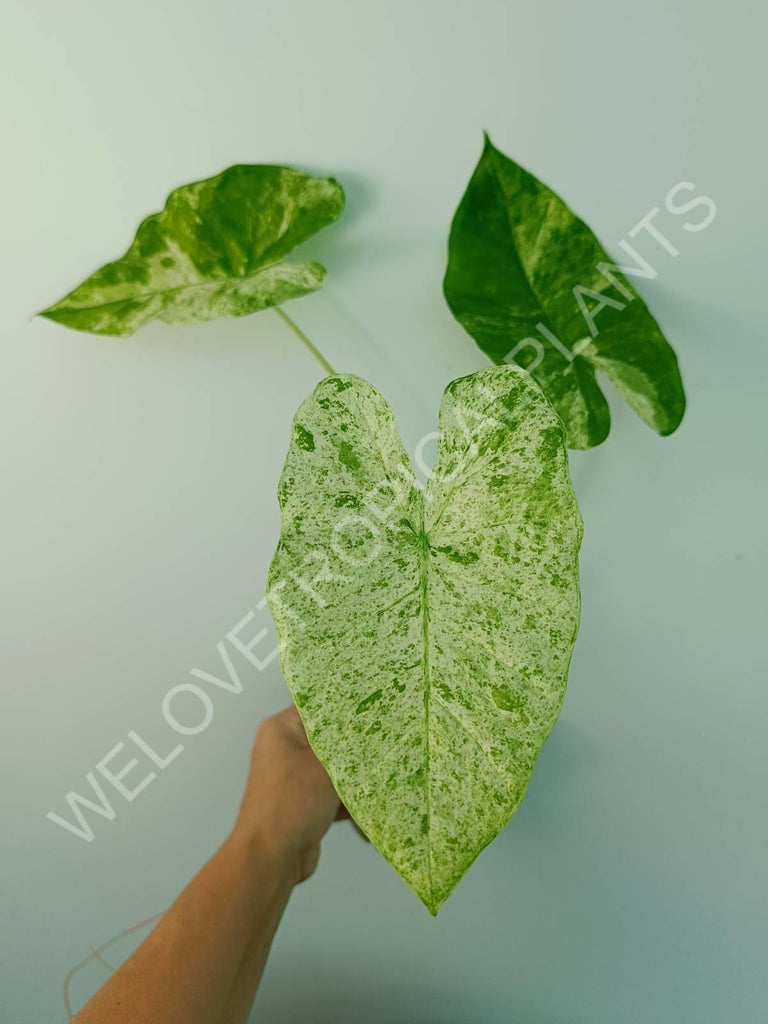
(266, 852)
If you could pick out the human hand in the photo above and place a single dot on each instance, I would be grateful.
(289, 802)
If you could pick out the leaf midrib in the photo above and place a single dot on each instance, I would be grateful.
(550, 321)
(425, 675)
(534, 294)
(578, 347)
(200, 285)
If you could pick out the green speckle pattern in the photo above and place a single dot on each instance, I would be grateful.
(216, 250)
(515, 254)
(426, 634)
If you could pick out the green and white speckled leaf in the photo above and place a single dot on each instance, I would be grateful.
(426, 634)
(516, 254)
(217, 249)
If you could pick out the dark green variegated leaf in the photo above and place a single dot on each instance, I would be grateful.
(530, 282)
(216, 250)
(426, 634)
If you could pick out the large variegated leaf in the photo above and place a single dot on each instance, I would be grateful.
(217, 249)
(530, 282)
(426, 635)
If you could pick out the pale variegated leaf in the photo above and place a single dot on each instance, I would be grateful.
(426, 634)
(217, 249)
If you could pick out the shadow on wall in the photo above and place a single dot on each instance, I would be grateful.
(342, 245)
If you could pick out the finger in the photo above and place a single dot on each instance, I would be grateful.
(291, 719)
(290, 716)
(359, 831)
(343, 815)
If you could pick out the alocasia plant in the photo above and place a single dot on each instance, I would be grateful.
(530, 282)
(217, 249)
(426, 634)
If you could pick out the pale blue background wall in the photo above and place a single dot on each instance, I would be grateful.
(139, 480)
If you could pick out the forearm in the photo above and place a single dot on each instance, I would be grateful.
(252, 964)
(203, 961)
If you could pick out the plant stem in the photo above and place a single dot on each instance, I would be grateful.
(304, 340)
